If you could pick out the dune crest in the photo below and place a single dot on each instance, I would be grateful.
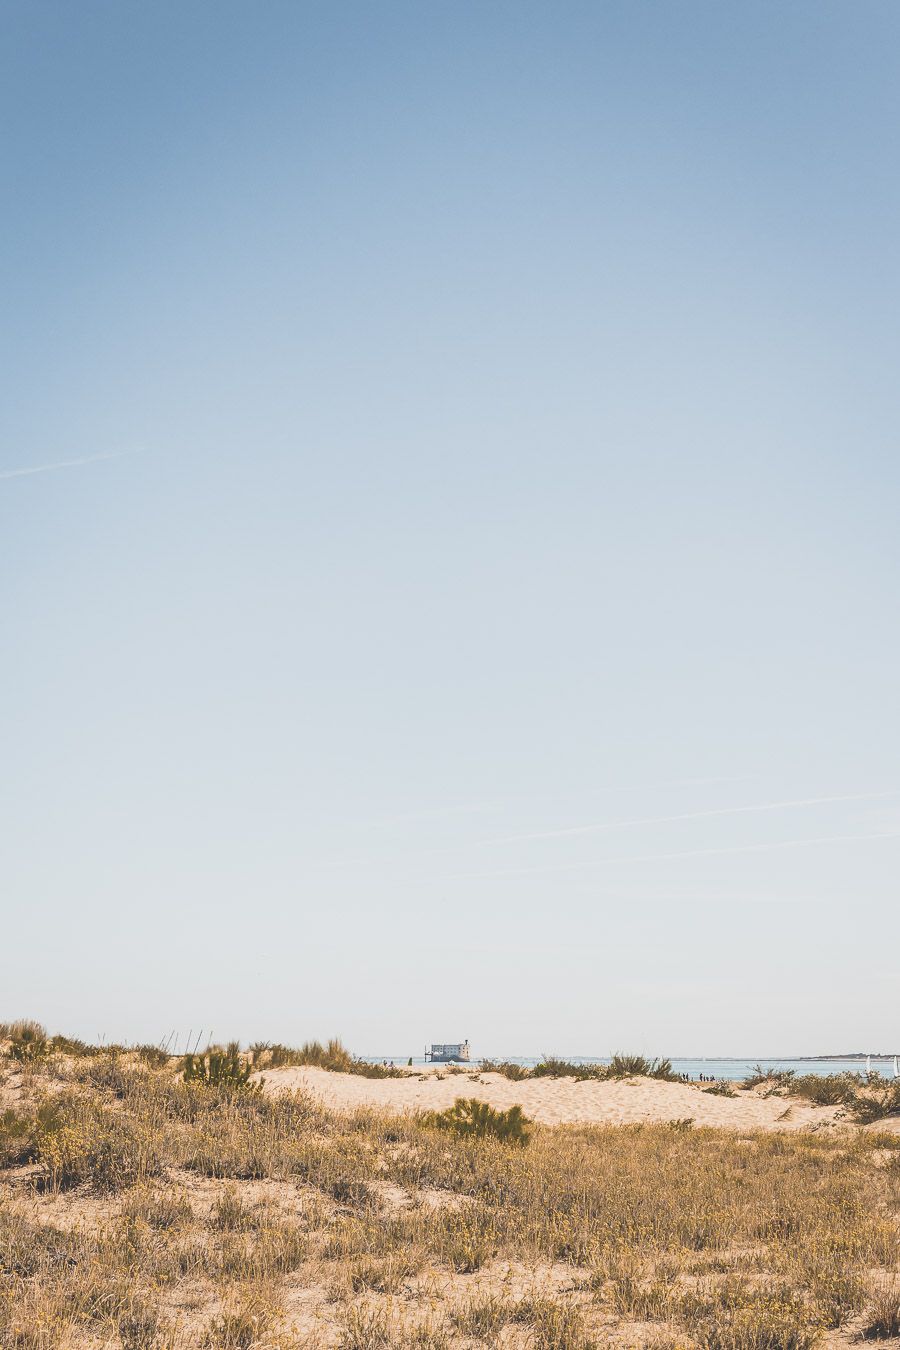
(555, 1101)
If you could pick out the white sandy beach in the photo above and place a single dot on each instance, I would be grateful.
(555, 1101)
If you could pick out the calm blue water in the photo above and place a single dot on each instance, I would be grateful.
(736, 1069)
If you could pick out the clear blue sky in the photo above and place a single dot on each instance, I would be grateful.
(490, 426)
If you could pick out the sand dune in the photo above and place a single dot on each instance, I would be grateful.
(556, 1101)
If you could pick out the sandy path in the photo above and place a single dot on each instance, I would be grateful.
(555, 1101)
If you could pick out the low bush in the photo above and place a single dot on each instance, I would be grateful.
(28, 1042)
(630, 1066)
(334, 1056)
(773, 1078)
(71, 1045)
(875, 1100)
(469, 1118)
(221, 1069)
(153, 1056)
(827, 1089)
(551, 1067)
(620, 1066)
(638, 1066)
(515, 1072)
(866, 1097)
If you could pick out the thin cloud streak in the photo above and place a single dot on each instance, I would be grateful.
(690, 815)
(63, 464)
(763, 848)
(434, 813)
(664, 857)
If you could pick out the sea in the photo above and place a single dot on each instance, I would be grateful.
(734, 1070)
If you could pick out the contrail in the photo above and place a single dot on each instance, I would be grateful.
(690, 815)
(63, 464)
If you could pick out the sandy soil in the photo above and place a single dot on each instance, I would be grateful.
(556, 1101)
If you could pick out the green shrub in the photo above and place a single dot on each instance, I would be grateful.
(153, 1056)
(775, 1078)
(71, 1045)
(334, 1056)
(28, 1042)
(831, 1089)
(757, 1076)
(515, 1072)
(469, 1118)
(725, 1089)
(629, 1066)
(867, 1097)
(662, 1068)
(276, 1056)
(551, 1067)
(620, 1066)
(638, 1066)
(875, 1101)
(221, 1069)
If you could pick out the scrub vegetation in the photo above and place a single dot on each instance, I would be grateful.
(866, 1097)
(620, 1066)
(333, 1056)
(161, 1203)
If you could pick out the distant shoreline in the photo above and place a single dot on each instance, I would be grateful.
(856, 1057)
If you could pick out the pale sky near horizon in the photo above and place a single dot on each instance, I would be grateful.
(449, 544)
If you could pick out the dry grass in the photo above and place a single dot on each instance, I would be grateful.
(142, 1211)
